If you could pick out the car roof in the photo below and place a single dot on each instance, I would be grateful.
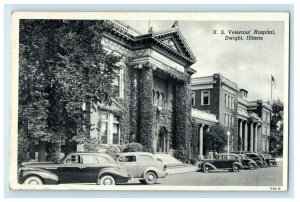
(228, 154)
(137, 153)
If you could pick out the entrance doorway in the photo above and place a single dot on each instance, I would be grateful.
(162, 141)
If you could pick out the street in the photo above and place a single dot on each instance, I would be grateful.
(259, 177)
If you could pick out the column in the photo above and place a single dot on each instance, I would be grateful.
(246, 137)
(201, 142)
(146, 134)
(241, 136)
(256, 137)
(251, 137)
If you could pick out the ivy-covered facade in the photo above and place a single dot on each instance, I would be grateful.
(154, 87)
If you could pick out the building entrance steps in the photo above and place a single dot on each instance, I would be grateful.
(168, 160)
(173, 165)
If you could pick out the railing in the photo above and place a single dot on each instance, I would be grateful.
(196, 113)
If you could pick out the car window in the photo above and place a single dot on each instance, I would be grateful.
(73, 159)
(145, 158)
(103, 160)
(89, 159)
(231, 157)
(127, 159)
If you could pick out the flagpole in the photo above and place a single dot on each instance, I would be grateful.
(271, 101)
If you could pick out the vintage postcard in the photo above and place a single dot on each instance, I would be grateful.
(149, 101)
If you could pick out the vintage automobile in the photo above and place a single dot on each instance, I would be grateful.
(77, 167)
(143, 166)
(269, 159)
(247, 162)
(231, 162)
(259, 161)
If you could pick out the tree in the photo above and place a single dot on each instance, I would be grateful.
(63, 66)
(276, 137)
(215, 139)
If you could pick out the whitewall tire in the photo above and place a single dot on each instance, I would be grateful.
(33, 180)
(107, 180)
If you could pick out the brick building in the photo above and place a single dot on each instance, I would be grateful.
(247, 121)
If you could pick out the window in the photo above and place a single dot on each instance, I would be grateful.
(232, 120)
(205, 100)
(104, 128)
(232, 104)
(127, 159)
(89, 159)
(225, 118)
(193, 99)
(115, 132)
(110, 129)
(225, 100)
(74, 159)
(268, 118)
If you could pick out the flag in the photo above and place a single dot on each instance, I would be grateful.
(273, 81)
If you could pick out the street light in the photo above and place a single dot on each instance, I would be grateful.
(228, 135)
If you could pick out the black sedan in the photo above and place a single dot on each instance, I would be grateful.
(229, 162)
(269, 159)
(74, 168)
(247, 162)
(257, 158)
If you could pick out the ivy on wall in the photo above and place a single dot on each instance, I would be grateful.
(182, 134)
(194, 139)
(146, 108)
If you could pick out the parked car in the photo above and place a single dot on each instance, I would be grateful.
(231, 162)
(143, 166)
(247, 162)
(269, 159)
(259, 161)
(77, 167)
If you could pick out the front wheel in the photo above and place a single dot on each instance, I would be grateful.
(150, 178)
(270, 164)
(107, 180)
(206, 168)
(33, 181)
(235, 168)
(251, 166)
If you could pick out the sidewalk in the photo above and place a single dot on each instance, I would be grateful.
(184, 168)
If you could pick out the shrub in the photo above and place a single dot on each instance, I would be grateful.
(181, 155)
(133, 147)
(193, 161)
(113, 151)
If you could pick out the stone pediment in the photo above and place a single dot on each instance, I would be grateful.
(173, 39)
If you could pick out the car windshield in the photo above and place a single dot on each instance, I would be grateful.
(62, 159)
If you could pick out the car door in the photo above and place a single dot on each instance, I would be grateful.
(143, 163)
(130, 164)
(71, 171)
(90, 168)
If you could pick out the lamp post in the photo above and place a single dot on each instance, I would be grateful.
(228, 135)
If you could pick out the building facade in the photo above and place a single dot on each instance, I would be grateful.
(247, 121)
(153, 107)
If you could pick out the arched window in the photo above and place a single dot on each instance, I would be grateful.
(153, 98)
(157, 99)
(162, 100)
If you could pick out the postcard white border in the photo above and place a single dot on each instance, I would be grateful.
(203, 16)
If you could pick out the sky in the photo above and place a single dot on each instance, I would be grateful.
(247, 63)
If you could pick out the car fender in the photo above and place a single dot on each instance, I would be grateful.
(159, 173)
(114, 172)
(46, 176)
(239, 164)
(210, 165)
(252, 161)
